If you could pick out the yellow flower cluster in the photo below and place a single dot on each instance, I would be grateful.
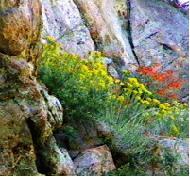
(92, 74)
(136, 87)
(143, 95)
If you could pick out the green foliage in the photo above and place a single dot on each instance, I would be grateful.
(167, 164)
(87, 92)
(82, 86)
(126, 170)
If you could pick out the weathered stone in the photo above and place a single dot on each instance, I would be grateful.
(16, 146)
(159, 34)
(19, 22)
(107, 28)
(62, 20)
(111, 68)
(67, 166)
(55, 109)
(86, 136)
(96, 161)
(153, 33)
(103, 129)
(179, 148)
(28, 115)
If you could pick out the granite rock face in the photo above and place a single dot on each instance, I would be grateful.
(107, 21)
(132, 33)
(159, 33)
(178, 147)
(28, 115)
(62, 20)
(67, 165)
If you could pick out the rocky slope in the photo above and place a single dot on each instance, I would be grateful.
(28, 115)
(132, 33)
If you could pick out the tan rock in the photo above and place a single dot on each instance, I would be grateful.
(107, 28)
(28, 115)
(95, 161)
(19, 22)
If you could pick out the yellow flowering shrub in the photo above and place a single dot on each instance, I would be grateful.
(82, 85)
(87, 91)
(85, 88)
(171, 116)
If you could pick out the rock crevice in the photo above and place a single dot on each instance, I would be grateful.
(130, 38)
(28, 115)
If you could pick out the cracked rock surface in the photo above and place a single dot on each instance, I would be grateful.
(28, 115)
(62, 20)
(159, 33)
(95, 161)
(132, 32)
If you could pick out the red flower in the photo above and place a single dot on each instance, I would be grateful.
(175, 85)
(162, 92)
(161, 77)
(166, 84)
(173, 96)
(146, 71)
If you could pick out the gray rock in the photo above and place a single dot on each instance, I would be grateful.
(179, 147)
(62, 20)
(107, 28)
(55, 109)
(66, 164)
(103, 129)
(159, 33)
(112, 71)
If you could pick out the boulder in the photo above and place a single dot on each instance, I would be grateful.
(17, 155)
(18, 26)
(96, 161)
(78, 136)
(153, 34)
(62, 20)
(67, 165)
(103, 129)
(159, 33)
(28, 115)
(178, 147)
(173, 152)
(106, 20)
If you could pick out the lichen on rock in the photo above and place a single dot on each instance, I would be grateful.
(26, 109)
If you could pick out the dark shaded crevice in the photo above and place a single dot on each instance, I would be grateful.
(151, 35)
(129, 31)
(46, 149)
(166, 47)
(39, 148)
(35, 138)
